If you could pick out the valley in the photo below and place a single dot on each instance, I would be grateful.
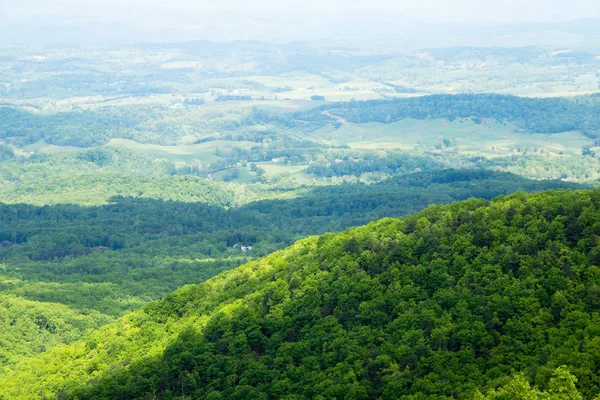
(253, 220)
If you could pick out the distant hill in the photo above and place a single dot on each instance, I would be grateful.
(534, 115)
(444, 303)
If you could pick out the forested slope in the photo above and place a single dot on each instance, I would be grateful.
(146, 124)
(349, 205)
(95, 176)
(447, 302)
(89, 265)
(30, 327)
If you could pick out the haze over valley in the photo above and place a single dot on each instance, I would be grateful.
(299, 200)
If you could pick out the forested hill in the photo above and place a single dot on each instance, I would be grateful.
(446, 303)
(343, 206)
(89, 265)
(539, 115)
(52, 232)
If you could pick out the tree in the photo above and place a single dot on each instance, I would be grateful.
(561, 387)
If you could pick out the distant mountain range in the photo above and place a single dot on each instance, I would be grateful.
(217, 26)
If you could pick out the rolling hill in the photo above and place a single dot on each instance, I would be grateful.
(450, 302)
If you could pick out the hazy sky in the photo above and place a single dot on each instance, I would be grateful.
(278, 20)
(429, 10)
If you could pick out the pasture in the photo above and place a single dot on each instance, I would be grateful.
(489, 138)
(201, 152)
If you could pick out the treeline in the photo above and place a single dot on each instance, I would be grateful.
(448, 303)
(226, 97)
(144, 124)
(392, 163)
(46, 233)
(543, 167)
(78, 128)
(293, 151)
(346, 205)
(536, 115)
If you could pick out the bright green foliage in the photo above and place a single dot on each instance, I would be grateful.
(28, 327)
(444, 303)
(562, 387)
(517, 389)
(95, 176)
(541, 167)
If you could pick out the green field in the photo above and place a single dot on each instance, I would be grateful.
(202, 152)
(43, 147)
(274, 169)
(489, 138)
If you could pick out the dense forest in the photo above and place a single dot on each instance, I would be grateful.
(46, 233)
(474, 299)
(103, 261)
